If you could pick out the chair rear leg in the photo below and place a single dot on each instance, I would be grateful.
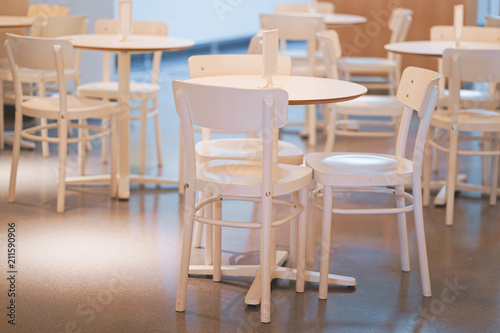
(16, 149)
(325, 242)
(403, 233)
(63, 154)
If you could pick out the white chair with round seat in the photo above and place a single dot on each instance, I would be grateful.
(381, 174)
(232, 109)
(379, 73)
(146, 93)
(37, 81)
(45, 54)
(248, 148)
(492, 21)
(460, 123)
(367, 106)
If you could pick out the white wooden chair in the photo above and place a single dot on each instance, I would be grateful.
(485, 98)
(37, 81)
(40, 12)
(381, 174)
(146, 93)
(462, 66)
(492, 21)
(370, 67)
(45, 54)
(367, 106)
(300, 27)
(234, 148)
(231, 109)
(285, 7)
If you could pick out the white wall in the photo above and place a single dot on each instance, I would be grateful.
(206, 20)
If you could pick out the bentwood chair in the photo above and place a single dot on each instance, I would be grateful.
(146, 93)
(37, 82)
(46, 54)
(466, 125)
(492, 21)
(234, 148)
(377, 111)
(232, 109)
(381, 174)
(379, 73)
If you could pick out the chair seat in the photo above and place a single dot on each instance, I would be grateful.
(366, 64)
(366, 105)
(138, 90)
(469, 120)
(248, 149)
(359, 169)
(243, 178)
(471, 98)
(78, 108)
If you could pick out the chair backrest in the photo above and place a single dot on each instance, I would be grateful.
(35, 10)
(256, 44)
(110, 26)
(492, 21)
(284, 7)
(469, 33)
(469, 66)
(233, 64)
(329, 45)
(42, 54)
(418, 90)
(399, 24)
(56, 26)
(231, 109)
(296, 27)
(40, 12)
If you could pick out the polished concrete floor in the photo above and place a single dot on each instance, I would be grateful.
(111, 266)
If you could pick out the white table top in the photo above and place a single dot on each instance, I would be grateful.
(302, 90)
(134, 43)
(343, 19)
(15, 21)
(436, 48)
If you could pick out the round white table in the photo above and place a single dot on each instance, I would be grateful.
(302, 90)
(436, 48)
(11, 22)
(342, 20)
(132, 44)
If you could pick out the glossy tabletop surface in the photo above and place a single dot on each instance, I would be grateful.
(141, 43)
(15, 21)
(436, 48)
(302, 90)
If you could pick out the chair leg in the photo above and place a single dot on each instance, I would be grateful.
(142, 145)
(265, 260)
(114, 156)
(325, 241)
(292, 254)
(403, 233)
(311, 234)
(331, 127)
(198, 227)
(451, 176)
(182, 160)
(494, 171)
(435, 153)
(63, 154)
(16, 149)
(158, 140)
(186, 250)
(426, 175)
(82, 146)
(217, 246)
(420, 233)
(43, 122)
(209, 235)
(301, 244)
(104, 143)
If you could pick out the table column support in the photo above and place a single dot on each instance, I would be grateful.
(124, 126)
